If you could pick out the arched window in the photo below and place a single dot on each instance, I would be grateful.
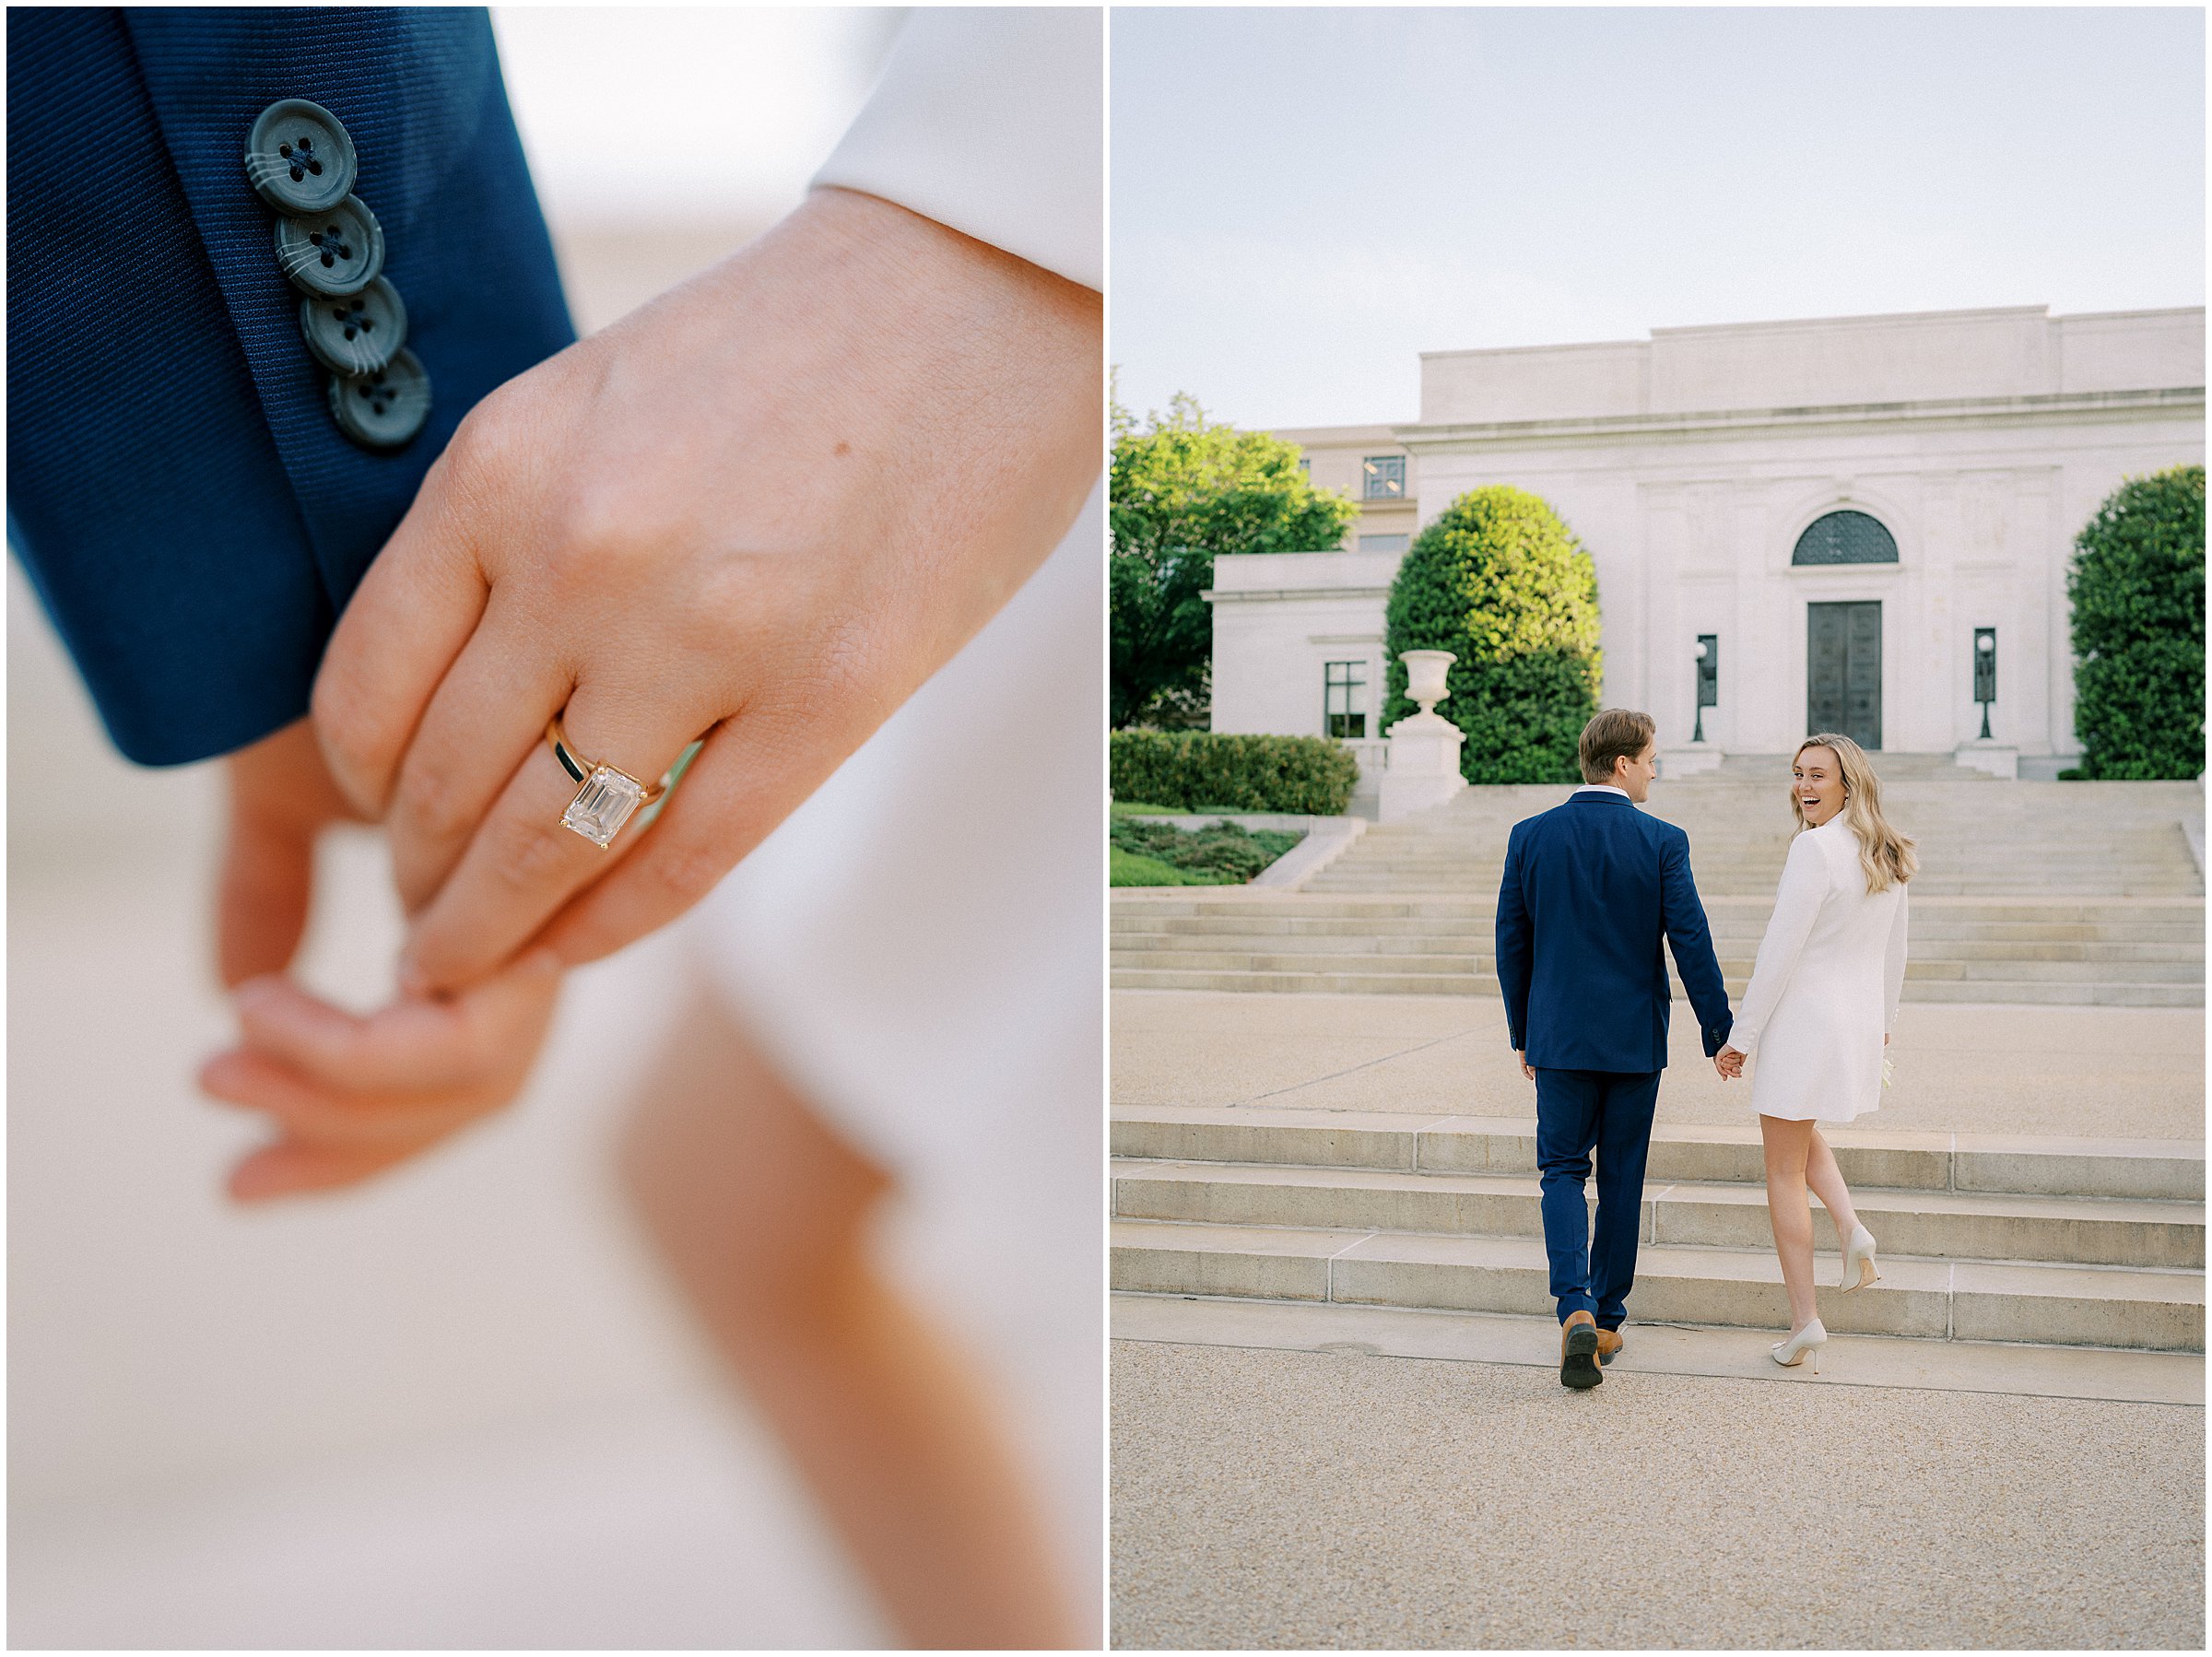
(1844, 538)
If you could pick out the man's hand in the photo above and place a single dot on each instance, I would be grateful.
(1729, 1063)
(760, 509)
(1528, 1069)
(349, 1096)
(281, 798)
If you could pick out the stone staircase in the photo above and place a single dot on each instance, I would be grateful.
(1975, 835)
(2080, 893)
(2057, 1241)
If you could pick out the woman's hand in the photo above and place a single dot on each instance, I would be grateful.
(1729, 1062)
(350, 1096)
(760, 509)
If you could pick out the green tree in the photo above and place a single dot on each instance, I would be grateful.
(1500, 582)
(1184, 489)
(2137, 589)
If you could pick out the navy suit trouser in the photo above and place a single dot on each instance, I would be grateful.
(1579, 1111)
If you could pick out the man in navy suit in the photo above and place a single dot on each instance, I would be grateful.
(1590, 888)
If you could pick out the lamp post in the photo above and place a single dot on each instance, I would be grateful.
(1985, 673)
(1709, 680)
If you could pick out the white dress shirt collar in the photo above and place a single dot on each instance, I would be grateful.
(1605, 788)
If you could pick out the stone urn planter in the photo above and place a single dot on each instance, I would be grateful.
(1423, 767)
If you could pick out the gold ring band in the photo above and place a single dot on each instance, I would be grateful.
(608, 796)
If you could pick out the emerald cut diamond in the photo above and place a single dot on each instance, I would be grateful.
(603, 805)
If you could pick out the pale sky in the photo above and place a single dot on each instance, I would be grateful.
(1303, 200)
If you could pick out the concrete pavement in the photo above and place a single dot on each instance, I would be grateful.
(1288, 1499)
(2084, 1072)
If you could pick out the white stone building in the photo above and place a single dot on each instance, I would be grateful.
(1839, 503)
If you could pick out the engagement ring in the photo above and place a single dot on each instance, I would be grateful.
(608, 796)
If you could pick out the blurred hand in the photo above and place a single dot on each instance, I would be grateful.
(349, 1096)
(1528, 1069)
(282, 797)
(1729, 1063)
(760, 509)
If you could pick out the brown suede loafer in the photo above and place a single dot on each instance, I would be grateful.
(1578, 1351)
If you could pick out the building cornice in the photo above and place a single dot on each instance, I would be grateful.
(1231, 595)
(1937, 414)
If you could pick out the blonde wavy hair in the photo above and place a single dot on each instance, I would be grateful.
(1884, 853)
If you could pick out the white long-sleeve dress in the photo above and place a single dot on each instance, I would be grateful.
(1824, 991)
(921, 946)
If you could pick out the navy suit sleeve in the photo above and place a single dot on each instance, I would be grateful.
(189, 512)
(1515, 945)
(1684, 917)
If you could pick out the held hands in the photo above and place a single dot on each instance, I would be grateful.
(762, 509)
(1729, 1062)
(349, 1096)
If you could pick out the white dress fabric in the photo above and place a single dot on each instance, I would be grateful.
(988, 119)
(921, 947)
(1824, 992)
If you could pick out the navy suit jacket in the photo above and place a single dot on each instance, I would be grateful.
(189, 512)
(1590, 888)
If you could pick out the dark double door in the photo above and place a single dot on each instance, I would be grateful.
(1843, 671)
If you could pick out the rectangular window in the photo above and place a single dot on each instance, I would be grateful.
(1305, 470)
(1345, 698)
(1385, 477)
(1384, 543)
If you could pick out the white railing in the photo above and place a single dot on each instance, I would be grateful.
(1371, 752)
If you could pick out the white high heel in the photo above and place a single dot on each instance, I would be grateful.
(1858, 1260)
(1804, 1347)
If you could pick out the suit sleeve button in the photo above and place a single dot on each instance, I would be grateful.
(299, 157)
(339, 251)
(355, 333)
(382, 409)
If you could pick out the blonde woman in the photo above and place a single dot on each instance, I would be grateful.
(1819, 1010)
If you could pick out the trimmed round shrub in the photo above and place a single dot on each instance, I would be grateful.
(2138, 590)
(1500, 582)
(1212, 770)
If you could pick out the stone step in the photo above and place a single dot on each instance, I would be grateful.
(1740, 946)
(1742, 882)
(2105, 1374)
(1449, 929)
(1937, 1225)
(1300, 983)
(1468, 942)
(1725, 922)
(2182, 911)
(2028, 1165)
(1676, 1282)
(1295, 961)
(1995, 991)
(1201, 954)
(1373, 854)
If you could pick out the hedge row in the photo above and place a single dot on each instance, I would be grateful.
(1213, 770)
(1226, 852)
